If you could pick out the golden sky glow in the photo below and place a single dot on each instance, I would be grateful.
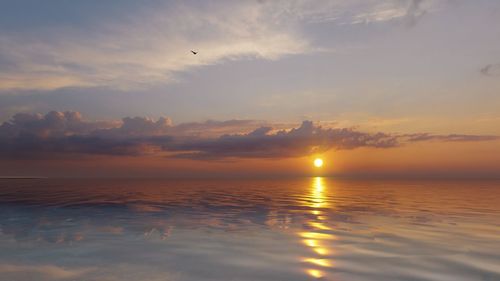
(267, 91)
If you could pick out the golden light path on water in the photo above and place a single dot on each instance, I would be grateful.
(319, 239)
(266, 230)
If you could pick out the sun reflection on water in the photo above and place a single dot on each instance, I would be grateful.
(315, 273)
(319, 238)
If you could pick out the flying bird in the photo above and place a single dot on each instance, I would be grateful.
(194, 53)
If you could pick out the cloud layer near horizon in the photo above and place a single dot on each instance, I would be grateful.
(68, 134)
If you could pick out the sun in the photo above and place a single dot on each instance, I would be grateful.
(318, 162)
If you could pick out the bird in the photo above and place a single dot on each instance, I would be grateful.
(194, 53)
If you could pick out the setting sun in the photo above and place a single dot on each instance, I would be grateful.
(318, 162)
(314, 140)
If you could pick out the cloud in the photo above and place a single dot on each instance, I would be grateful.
(53, 124)
(491, 70)
(147, 127)
(261, 143)
(36, 135)
(451, 137)
(45, 271)
(146, 47)
(415, 12)
(152, 44)
(68, 134)
(408, 12)
(348, 12)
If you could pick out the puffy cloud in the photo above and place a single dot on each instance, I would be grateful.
(300, 141)
(137, 127)
(53, 124)
(67, 134)
(215, 128)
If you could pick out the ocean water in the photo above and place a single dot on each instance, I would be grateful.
(300, 229)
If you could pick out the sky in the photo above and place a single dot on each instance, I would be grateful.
(376, 88)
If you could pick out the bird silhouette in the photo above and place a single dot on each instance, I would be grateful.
(194, 53)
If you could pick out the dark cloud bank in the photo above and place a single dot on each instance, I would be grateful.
(67, 133)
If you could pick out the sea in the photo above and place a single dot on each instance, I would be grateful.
(316, 228)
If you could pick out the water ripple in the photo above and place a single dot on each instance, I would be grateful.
(298, 229)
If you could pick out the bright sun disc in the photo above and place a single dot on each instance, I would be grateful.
(318, 162)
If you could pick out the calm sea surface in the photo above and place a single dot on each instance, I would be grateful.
(302, 229)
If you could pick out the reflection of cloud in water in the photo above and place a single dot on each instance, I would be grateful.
(48, 272)
(248, 230)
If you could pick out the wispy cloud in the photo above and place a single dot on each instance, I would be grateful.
(408, 12)
(44, 271)
(145, 48)
(151, 45)
(68, 134)
(491, 70)
(450, 137)
(415, 11)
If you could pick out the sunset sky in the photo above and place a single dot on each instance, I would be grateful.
(376, 88)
